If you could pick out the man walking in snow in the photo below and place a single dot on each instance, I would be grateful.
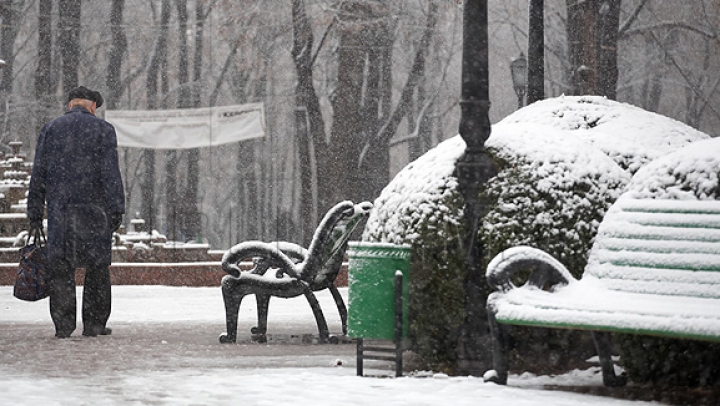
(76, 173)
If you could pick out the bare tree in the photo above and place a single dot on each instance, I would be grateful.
(155, 71)
(69, 41)
(118, 48)
(309, 122)
(375, 157)
(191, 214)
(10, 16)
(44, 84)
(592, 31)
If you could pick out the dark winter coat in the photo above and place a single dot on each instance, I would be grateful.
(76, 172)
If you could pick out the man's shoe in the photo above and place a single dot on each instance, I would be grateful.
(104, 331)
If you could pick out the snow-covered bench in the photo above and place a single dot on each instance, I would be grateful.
(284, 269)
(654, 269)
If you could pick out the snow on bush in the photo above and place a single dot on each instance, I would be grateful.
(419, 198)
(561, 163)
(424, 194)
(551, 193)
(628, 134)
(690, 173)
(422, 207)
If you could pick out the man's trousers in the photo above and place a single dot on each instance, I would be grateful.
(95, 303)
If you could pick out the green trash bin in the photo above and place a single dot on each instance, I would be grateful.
(371, 289)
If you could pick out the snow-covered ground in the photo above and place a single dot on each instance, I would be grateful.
(164, 351)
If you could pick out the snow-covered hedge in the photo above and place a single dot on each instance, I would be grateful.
(422, 207)
(690, 173)
(561, 163)
(628, 134)
(551, 193)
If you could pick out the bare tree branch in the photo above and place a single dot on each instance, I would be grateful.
(633, 17)
(386, 132)
(672, 24)
(322, 41)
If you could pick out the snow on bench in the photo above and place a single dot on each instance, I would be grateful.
(654, 269)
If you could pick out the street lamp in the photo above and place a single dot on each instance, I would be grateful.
(2, 64)
(474, 168)
(518, 71)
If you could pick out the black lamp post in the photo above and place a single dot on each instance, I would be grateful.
(518, 71)
(536, 53)
(474, 168)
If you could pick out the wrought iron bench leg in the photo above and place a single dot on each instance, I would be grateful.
(263, 305)
(342, 310)
(319, 316)
(499, 350)
(232, 299)
(603, 346)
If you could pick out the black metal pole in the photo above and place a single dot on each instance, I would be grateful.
(398, 323)
(536, 53)
(521, 99)
(474, 168)
(359, 351)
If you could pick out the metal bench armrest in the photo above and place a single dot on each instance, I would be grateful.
(546, 270)
(254, 249)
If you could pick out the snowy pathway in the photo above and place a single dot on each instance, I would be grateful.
(164, 351)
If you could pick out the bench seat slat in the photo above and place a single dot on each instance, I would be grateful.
(653, 269)
(590, 306)
(663, 288)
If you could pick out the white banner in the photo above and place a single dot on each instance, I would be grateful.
(187, 128)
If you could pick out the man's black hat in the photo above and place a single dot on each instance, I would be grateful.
(83, 92)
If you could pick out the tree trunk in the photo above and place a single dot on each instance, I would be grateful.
(183, 66)
(607, 51)
(309, 123)
(43, 78)
(175, 207)
(147, 204)
(592, 30)
(118, 47)
(10, 15)
(375, 158)
(173, 211)
(200, 17)
(192, 226)
(346, 135)
(69, 42)
(581, 26)
(44, 86)
(371, 174)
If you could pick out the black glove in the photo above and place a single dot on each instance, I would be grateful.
(36, 224)
(115, 221)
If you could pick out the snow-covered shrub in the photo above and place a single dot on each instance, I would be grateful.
(551, 194)
(561, 163)
(423, 208)
(691, 173)
(631, 136)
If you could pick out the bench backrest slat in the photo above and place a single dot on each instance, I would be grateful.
(330, 241)
(669, 247)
